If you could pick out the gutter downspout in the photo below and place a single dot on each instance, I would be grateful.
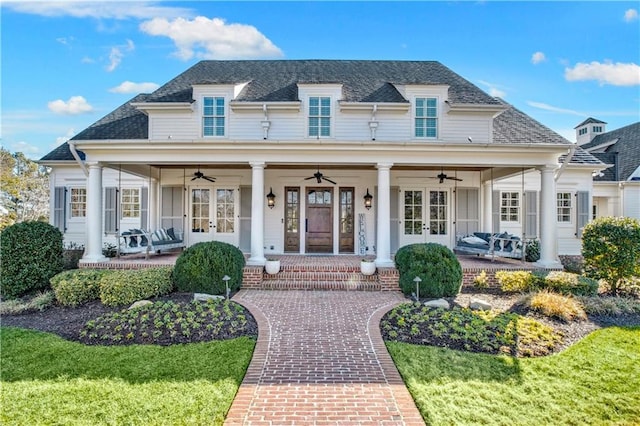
(566, 161)
(72, 148)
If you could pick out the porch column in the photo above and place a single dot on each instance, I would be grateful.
(153, 205)
(383, 225)
(548, 226)
(487, 205)
(257, 214)
(93, 250)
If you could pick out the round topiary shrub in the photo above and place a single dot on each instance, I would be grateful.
(435, 264)
(31, 253)
(532, 251)
(201, 267)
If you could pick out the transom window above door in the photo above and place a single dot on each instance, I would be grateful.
(319, 116)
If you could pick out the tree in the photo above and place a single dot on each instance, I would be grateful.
(24, 189)
(611, 250)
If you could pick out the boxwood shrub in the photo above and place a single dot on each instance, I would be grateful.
(201, 267)
(435, 264)
(31, 253)
(516, 281)
(127, 286)
(77, 286)
(568, 283)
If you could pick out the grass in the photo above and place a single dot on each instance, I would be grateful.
(552, 305)
(594, 382)
(48, 380)
(38, 302)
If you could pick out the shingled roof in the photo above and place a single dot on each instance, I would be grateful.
(515, 127)
(623, 152)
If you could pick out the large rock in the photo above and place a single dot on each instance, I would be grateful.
(203, 297)
(479, 305)
(140, 303)
(438, 303)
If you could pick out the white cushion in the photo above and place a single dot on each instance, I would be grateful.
(472, 239)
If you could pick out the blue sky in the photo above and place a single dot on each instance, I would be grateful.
(66, 64)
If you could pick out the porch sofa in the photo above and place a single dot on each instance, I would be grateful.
(492, 245)
(139, 241)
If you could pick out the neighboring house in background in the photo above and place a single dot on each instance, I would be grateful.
(616, 190)
(439, 157)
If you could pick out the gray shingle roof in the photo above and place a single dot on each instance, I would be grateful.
(627, 147)
(61, 153)
(589, 121)
(580, 156)
(125, 122)
(515, 127)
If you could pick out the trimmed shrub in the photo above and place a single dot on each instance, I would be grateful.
(611, 250)
(435, 264)
(78, 286)
(481, 280)
(201, 267)
(532, 251)
(553, 305)
(127, 286)
(568, 283)
(516, 281)
(31, 253)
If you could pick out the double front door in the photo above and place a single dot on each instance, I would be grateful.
(425, 216)
(317, 224)
(213, 214)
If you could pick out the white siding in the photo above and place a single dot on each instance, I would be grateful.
(631, 194)
(175, 126)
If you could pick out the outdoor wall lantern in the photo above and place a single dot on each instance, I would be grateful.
(271, 199)
(367, 200)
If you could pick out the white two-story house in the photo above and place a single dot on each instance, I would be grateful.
(317, 156)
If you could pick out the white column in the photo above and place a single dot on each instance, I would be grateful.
(257, 214)
(153, 205)
(487, 207)
(93, 250)
(548, 225)
(383, 243)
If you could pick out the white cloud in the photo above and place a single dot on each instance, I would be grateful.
(116, 55)
(74, 106)
(87, 60)
(551, 108)
(207, 38)
(62, 139)
(25, 148)
(630, 15)
(617, 74)
(494, 89)
(131, 87)
(98, 9)
(538, 57)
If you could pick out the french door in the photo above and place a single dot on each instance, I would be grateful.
(425, 216)
(213, 214)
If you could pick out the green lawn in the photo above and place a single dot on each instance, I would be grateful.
(595, 382)
(48, 380)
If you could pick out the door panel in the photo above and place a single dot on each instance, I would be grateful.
(292, 220)
(319, 220)
(200, 223)
(425, 216)
(346, 220)
(213, 215)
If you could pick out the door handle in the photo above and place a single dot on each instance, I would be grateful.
(306, 225)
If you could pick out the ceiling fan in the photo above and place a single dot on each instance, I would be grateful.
(200, 175)
(443, 176)
(319, 177)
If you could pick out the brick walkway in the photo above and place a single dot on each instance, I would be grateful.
(320, 360)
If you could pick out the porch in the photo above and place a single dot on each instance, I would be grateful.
(324, 272)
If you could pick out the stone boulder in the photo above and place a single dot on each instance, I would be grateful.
(203, 297)
(140, 303)
(437, 303)
(479, 305)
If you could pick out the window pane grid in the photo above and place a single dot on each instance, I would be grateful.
(213, 119)
(225, 214)
(437, 212)
(563, 204)
(319, 116)
(510, 207)
(130, 203)
(426, 118)
(78, 202)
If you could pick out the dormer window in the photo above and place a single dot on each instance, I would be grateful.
(582, 131)
(319, 116)
(426, 118)
(597, 129)
(213, 119)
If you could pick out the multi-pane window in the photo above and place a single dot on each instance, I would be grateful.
(78, 202)
(213, 116)
(563, 204)
(582, 131)
(438, 213)
(510, 206)
(426, 119)
(597, 129)
(413, 213)
(130, 202)
(320, 116)
(225, 210)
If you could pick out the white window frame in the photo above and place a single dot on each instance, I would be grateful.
(319, 117)
(214, 116)
(426, 116)
(507, 208)
(564, 207)
(81, 203)
(130, 203)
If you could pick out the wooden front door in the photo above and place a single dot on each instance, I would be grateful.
(319, 220)
(346, 220)
(292, 220)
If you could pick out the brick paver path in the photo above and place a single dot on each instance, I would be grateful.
(320, 360)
